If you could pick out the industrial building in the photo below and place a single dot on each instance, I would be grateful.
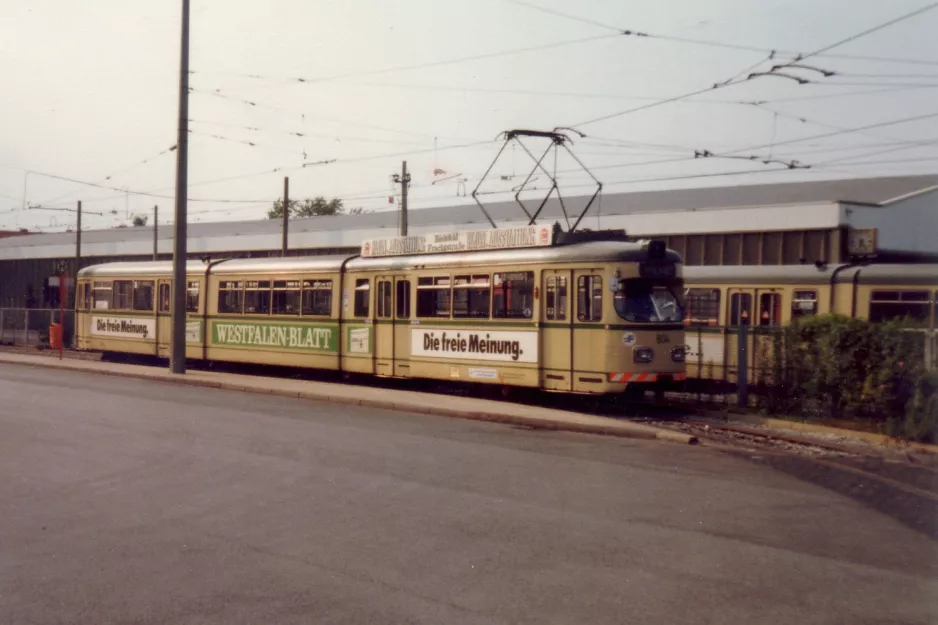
(892, 218)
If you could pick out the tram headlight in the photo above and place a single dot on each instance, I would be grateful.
(678, 354)
(643, 354)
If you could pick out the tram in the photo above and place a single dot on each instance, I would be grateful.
(721, 298)
(581, 312)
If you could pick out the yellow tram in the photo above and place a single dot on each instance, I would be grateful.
(583, 312)
(721, 298)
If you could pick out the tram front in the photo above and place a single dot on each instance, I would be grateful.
(648, 297)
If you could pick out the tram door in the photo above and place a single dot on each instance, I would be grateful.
(384, 327)
(392, 326)
(760, 309)
(556, 331)
(164, 319)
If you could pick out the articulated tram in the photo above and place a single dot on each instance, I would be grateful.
(583, 312)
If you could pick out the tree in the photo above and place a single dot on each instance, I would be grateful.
(314, 207)
(139, 220)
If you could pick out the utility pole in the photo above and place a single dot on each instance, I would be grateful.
(77, 249)
(178, 352)
(404, 180)
(286, 214)
(156, 225)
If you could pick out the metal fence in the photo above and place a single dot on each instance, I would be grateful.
(30, 326)
(740, 365)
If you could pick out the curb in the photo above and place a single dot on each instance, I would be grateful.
(612, 428)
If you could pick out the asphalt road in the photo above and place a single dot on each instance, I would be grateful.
(127, 501)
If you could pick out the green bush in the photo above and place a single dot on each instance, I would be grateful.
(848, 368)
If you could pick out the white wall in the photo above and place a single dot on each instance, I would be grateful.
(909, 225)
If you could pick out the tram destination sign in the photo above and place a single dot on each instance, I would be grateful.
(460, 241)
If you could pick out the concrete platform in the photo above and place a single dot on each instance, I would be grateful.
(441, 405)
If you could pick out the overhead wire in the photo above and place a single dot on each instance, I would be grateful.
(171, 148)
(400, 68)
(733, 46)
(306, 133)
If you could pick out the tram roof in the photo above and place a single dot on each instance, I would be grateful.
(592, 251)
(898, 274)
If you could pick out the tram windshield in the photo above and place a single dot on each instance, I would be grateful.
(647, 301)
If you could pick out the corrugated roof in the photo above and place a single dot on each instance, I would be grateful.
(871, 191)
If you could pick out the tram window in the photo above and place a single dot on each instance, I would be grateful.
(434, 297)
(895, 305)
(384, 299)
(102, 295)
(589, 294)
(86, 297)
(317, 297)
(556, 299)
(164, 297)
(257, 297)
(472, 296)
(286, 297)
(803, 304)
(769, 309)
(362, 297)
(230, 297)
(703, 307)
(143, 295)
(513, 297)
(403, 299)
(123, 295)
(740, 309)
(192, 296)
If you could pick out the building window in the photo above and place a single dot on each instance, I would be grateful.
(384, 299)
(589, 298)
(803, 304)
(257, 297)
(230, 297)
(895, 305)
(472, 296)
(555, 303)
(362, 297)
(513, 296)
(740, 309)
(286, 297)
(192, 296)
(703, 307)
(434, 297)
(317, 298)
(403, 299)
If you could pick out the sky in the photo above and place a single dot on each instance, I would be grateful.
(336, 94)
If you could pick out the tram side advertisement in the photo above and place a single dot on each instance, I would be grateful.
(124, 327)
(139, 328)
(475, 345)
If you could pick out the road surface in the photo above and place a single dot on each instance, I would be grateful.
(129, 501)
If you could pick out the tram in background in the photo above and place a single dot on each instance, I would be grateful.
(721, 298)
(581, 312)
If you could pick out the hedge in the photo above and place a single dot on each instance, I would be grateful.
(845, 368)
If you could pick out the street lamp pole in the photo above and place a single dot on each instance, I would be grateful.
(178, 351)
